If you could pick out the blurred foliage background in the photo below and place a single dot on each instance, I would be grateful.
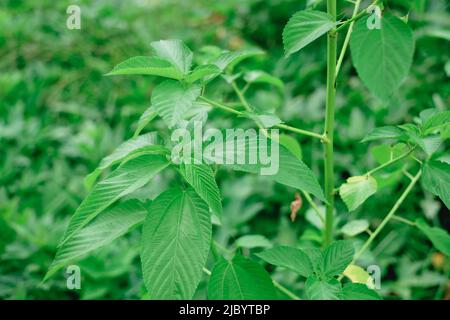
(59, 116)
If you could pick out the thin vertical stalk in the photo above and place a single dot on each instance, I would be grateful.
(329, 126)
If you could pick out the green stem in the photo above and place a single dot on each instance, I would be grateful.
(314, 206)
(241, 97)
(280, 126)
(302, 132)
(329, 126)
(404, 220)
(347, 37)
(390, 162)
(389, 216)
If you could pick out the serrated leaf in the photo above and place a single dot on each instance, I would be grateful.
(387, 132)
(285, 168)
(258, 76)
(253, 241)
(436, 121)
(203, 71)
(357, 291)
(175, 244)
(129, 177)
(175, 52)
(356, 190)
(436, 179)
(288, 257)
(439, 237)
(355, 227)
(291, 144)
(142, 65)
(336, 258)
(148, 115)
(229, 59)
(172, 99)
(104, 229)
(145, 142)
(318, 289)
(202, 180)
(240, 279)
(382, 57)
(304, 27)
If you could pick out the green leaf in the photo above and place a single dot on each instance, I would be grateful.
(354, 227)
(356, 190)
(357, 274)
(318, 289)
(145, 119)
(141, 65)
(175, 244)
(358, 291)
(240, 279)
(258, 76)
(229, 59)
(383, 56)
(439, 237)
(104, 229)
(253, 241)
(201, 72)
(129, 177)
(436, 179)
(201, 178)
(288, 257)
(303, 28)
(285, 168)
(175, 52)
(291, 144)
(172, 100)
(336, 258)
(436, 121)
(387, 132)
(145, 142)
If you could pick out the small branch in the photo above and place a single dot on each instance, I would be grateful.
(220, 106)
(241, 97)
(389, 216)
(351, 23)
(303, 132)
(280, 126)
(390, 162)
(404, 220)
(287, 292)
(314, 206)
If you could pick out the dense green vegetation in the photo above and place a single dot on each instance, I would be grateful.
(60, 116)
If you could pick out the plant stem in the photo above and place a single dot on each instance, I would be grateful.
(241, 97)
(314, 206)
(351, 21)
(404, 220)
(302, 132)
(329, 126)
(347, 37)
(390, 162)
(389, 216)
(280, 126)
(287, 292)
